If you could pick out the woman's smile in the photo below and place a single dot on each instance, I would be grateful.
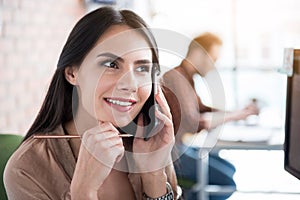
(120, 104)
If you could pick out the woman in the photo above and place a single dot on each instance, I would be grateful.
(102, 84)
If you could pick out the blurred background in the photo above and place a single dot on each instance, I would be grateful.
(254, 34)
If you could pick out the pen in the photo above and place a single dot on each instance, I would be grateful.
(68, 136)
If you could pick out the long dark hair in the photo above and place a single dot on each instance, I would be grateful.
(57, 106)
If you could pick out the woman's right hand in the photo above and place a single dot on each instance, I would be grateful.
(101, 147)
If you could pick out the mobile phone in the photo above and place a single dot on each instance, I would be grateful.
(150, 120)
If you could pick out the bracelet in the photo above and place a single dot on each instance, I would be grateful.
(168, 196)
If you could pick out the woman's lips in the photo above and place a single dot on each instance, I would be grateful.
(120, 104)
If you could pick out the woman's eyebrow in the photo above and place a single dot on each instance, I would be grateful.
(144, 61)
(111, 55)
(115, 57)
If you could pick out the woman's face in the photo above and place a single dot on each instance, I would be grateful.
(114, 79)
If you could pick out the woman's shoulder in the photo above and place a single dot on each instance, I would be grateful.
(30, 153)
(24, 161)
(33, 164)
(25, 152)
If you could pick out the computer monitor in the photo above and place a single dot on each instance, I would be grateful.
(292, 121)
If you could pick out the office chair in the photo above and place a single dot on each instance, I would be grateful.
(212, 179)
(8, 144)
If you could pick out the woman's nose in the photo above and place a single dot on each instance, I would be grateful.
(128, 82)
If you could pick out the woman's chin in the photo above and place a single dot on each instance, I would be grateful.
(122, 123)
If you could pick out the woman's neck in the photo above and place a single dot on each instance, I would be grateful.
(82, 122)
(70, 129)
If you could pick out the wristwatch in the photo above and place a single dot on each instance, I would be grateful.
(168, 196)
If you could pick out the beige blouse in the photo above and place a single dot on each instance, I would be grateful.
(43, 169)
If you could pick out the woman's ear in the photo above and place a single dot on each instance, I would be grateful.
(71, 74)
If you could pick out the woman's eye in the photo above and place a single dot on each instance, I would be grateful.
(143, 68)
(110, 64)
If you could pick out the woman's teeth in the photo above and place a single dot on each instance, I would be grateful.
(119, 103)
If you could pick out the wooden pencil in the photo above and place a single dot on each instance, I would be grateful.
(69, 136)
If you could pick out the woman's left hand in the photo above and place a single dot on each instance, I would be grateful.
(155, 153)
(151, 157)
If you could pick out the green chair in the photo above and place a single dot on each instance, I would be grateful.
(8, 144)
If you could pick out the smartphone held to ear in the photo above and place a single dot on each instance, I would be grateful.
(150, 120)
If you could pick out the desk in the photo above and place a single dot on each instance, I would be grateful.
(246, 146)
(271, 140)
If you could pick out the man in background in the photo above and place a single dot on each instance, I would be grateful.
(190, 114)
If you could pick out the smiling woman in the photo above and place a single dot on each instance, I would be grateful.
(103, 85)
(118, 80)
